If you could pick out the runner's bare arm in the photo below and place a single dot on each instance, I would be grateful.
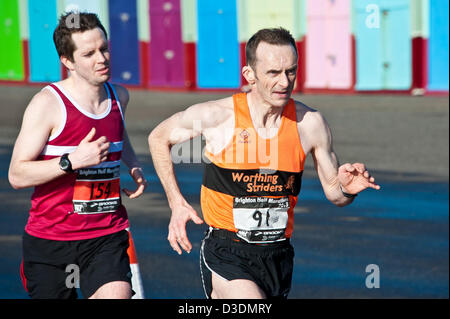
(128, 155)
(179, 128)
(335, 179)
(41, 118)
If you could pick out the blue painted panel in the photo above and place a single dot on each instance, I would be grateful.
(369, 72)
(438, 46)
(383, 45)
(218, 61)
(44, 61)
(397, 45)
(124, 42)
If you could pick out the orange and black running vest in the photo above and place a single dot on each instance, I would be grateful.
(251, 186)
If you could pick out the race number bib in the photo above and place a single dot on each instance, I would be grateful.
(261, 219)
(97, 190)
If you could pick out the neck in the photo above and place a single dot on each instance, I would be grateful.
(264, 115)
(90, 94)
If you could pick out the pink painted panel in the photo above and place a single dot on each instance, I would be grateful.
(337, 8)
(315, 76)
(166, 47)
(316, 7)
(338, 46)
(328, 45)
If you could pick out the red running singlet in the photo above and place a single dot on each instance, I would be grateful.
(85, 204)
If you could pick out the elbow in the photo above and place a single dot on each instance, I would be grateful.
(14, 185)
(341, 204)
(152, 139)
(14, 180)
(157, 140)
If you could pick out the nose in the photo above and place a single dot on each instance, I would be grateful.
(283, 80)
(101, 58)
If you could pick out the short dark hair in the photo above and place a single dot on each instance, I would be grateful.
(278, 36)
(73, 22)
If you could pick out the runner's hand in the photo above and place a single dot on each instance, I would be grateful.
(88, 152)
(177, 227)
(354, 178)
(138, 176)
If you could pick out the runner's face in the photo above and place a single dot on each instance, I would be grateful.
(276, 71)
(91, 56)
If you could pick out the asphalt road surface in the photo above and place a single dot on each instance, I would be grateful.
(401, 229)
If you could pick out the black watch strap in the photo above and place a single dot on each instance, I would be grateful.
(348, 195)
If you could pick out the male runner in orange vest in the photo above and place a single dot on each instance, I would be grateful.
(256, 145)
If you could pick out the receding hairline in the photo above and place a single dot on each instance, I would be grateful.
(273, 36)
(272, 44)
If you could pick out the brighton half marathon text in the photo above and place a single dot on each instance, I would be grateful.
(232, 308)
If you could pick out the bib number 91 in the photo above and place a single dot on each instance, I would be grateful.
(258, 216)
(261, 219)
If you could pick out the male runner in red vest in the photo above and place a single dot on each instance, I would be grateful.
(69, 148)
(256, 145)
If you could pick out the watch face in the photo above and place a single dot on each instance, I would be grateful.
(64, 163)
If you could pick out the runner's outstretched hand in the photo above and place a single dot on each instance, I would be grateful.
(354, 178)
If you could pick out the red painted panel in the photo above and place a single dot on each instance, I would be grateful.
(190, 70)
(243, 61)
(301, 69)
(419, 63)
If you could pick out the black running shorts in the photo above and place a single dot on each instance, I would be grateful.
(50, 268)
(270, 266)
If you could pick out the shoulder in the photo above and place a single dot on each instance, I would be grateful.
(41, 116)
(122, 94)
(215, 106)
(308, 117)
(218, 108)
(312, 127)
(211, 113)
(45, 104)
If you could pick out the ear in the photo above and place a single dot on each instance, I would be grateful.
(67, 63)
(249, 74)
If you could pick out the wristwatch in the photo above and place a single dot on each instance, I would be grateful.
(65, 164)
(348, 195)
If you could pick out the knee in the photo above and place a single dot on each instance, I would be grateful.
(113, 290)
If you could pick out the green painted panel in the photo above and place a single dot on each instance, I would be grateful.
(11, 54)
(243, 34)
(189, 20)
(299, 19)
(269, 14)
(420, 18)
(23, 19)
(143, 19)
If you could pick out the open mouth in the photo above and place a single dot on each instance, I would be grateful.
(281, 93)
(103, 70)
